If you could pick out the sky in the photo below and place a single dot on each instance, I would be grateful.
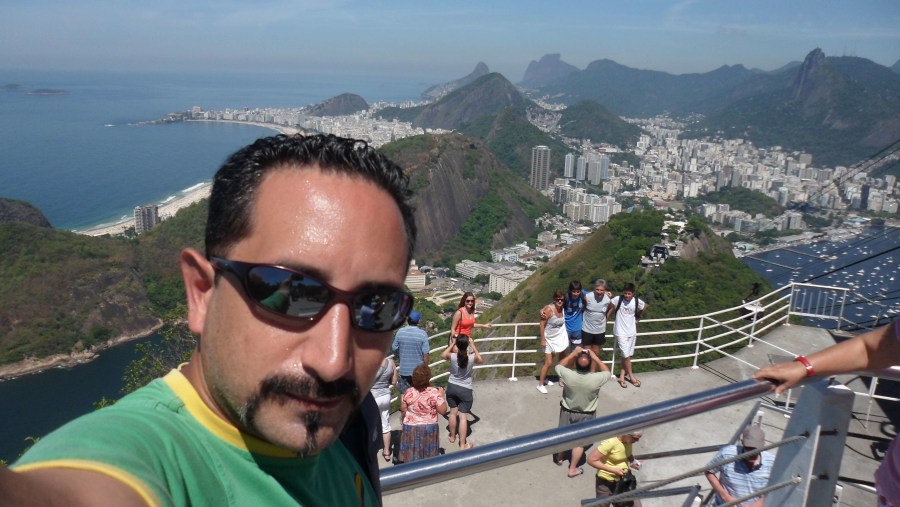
(440, 40)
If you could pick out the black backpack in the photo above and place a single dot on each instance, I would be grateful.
(637, 305)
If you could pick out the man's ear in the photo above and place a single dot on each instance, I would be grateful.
(199, 280)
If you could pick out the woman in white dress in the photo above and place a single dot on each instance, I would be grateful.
(554, 338)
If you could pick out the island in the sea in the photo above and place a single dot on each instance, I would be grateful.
(47, 92)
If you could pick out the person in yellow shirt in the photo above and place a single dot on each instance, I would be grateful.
(613, 459)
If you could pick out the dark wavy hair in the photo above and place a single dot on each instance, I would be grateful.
(462, 351)
(421, 377)
(237, 182)
(462, 301)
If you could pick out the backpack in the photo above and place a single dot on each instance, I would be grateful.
(637, 304)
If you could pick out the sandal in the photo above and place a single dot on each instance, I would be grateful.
(469, 445)
(635, 382)
(452, 439)
(386, 456)
(622, 384)
(580, 471)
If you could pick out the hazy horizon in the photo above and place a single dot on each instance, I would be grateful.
(438, 43)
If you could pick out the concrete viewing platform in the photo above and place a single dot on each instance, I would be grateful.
(504, 409)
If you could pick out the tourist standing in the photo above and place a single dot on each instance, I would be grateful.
(593, 329)
(553, 336)
(410, 346)
(463, 356)
(381, 390)
(573, 307)
(420, 407)
(613, 460)
(627, 309)
(464, 318)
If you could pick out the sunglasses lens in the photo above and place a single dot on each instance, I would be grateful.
(380, 310)
(285, 292)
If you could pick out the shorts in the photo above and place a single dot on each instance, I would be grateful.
(404, 382)
(567, 417)
(459, 396)
(574, 337)
(626, 345)
(597, 339)
(384, 406)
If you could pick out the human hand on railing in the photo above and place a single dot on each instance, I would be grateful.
(783, 375)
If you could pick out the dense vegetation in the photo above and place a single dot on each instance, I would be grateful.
(710, 280)
(589, 120)
(64, 292)
(510, 136)
(743, 199)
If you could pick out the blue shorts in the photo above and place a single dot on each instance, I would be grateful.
(574, 337)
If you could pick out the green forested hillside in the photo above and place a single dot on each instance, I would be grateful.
(589, 120)
(63, 292)
(511, 137)
(743, 199)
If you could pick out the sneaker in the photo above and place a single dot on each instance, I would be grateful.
(549, 382)
(542, 389)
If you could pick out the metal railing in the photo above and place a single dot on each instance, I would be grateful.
(673, 341)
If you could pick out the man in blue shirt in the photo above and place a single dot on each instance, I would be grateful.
(743, 477)
(411, 348)
(573, 309)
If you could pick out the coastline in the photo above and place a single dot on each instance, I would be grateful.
(33, 365)
(167, 209)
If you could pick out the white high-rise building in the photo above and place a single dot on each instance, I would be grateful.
(580, 168)
(145, 218)
(570, 166)
(604, 167)
(540, 167)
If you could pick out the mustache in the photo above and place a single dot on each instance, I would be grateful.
(307, 387)
(274, 387)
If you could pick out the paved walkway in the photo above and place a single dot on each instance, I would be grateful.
(507, 409)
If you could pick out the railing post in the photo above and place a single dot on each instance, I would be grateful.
(699, 339)
(841, 316)
(872, 388)
(823, 414)
(787, 321)
(513, 378)
(752, 328)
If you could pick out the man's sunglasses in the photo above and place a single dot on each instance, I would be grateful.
(300, 297)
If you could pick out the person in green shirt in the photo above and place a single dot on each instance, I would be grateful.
(254, 417)
(581, 395)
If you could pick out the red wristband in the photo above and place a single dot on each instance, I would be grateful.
(805, 362)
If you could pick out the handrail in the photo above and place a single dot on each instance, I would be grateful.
(450, 466)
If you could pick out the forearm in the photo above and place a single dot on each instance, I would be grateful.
(871, 351)
(717, 486)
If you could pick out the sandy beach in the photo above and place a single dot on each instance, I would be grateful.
(168, 209)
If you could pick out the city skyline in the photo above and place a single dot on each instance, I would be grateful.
(438, 43)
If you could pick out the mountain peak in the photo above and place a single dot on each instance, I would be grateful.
(548, 69)
(437, 91)
(803, 82)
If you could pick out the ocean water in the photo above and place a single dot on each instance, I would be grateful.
(78, 160)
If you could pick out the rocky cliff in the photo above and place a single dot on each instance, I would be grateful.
(22, 212)
(451, 175)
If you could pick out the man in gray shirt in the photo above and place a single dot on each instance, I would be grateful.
(593, 328)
